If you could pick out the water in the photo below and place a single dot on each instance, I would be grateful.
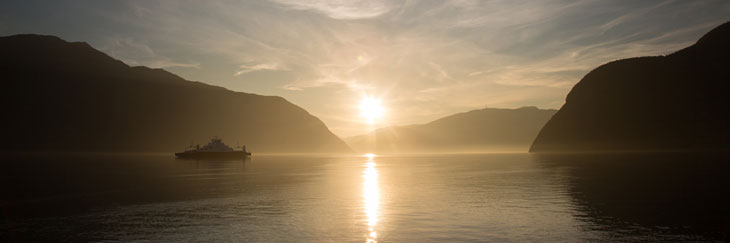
(455, 198)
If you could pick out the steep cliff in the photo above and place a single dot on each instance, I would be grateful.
(673, 102)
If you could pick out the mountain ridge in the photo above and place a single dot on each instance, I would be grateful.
(671, 102)
(480, 130)
(93, 95)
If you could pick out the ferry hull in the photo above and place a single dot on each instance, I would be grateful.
(213, 155)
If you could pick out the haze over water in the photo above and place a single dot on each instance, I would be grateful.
(419, 198)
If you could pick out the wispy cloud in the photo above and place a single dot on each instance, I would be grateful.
(247, 68)
(135, 53)
(425, 59)
(342, 9)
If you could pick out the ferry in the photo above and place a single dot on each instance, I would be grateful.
(215, 149)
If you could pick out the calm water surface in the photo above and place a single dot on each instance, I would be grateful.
(455, 198)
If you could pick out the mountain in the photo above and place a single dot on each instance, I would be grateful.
(673, 102)
(68, 96)
(478, 130)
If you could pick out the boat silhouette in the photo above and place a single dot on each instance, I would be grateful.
(215, 149)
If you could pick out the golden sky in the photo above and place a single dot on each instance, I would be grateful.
(422, 59)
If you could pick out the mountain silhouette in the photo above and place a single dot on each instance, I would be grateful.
(68, 96)
(487, 129)
(673, 102)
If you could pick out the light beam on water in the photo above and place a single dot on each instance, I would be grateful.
(371, 196)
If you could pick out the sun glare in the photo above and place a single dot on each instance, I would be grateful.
(371, 109)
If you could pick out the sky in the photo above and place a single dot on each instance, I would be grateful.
(422, 59)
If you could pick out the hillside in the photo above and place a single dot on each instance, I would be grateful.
(487, 129)
(63, 96)
(673, 102)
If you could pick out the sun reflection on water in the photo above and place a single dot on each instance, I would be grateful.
(371, 195)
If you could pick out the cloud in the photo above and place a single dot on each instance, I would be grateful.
(341, 9)
(135, 53)
(425, 59)
(247, 68)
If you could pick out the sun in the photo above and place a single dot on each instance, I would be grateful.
(371, 109)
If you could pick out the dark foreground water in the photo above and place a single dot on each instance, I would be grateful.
(455, 198)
